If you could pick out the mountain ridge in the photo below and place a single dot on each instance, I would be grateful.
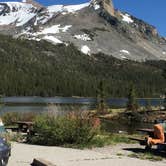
(95, 25)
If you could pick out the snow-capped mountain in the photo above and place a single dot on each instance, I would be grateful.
(20, 13)
(93, 27)
(15, 13)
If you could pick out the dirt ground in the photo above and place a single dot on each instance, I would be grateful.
(23, 155)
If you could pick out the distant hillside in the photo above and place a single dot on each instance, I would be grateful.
(29, 68)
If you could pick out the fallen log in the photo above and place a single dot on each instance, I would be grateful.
(41, 162)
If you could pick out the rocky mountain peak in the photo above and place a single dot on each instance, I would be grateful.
(34, 3)
(107, 5)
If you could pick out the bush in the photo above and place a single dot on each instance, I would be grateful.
(70, 129)
(10, 117)
(13, 137)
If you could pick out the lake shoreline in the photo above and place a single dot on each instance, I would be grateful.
(145, 116)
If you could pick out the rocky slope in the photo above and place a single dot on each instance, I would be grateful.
(93, 27)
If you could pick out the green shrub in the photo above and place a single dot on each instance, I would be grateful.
(104, 139)
(13, 137)
(10, 117)
(63, 130)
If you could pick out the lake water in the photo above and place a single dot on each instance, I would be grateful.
(123, 126)
(63, 104)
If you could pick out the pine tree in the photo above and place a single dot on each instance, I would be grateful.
(164, 101)
(164, 73)
(132, 104)
(148, 105)
(101, 103)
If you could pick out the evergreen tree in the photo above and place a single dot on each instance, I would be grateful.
(101, 103)
(165, 101)
(148, 105)
(164, 73)
(132, 104)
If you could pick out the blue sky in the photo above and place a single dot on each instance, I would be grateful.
(151, 11)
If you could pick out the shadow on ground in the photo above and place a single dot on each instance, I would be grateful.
(155, 152)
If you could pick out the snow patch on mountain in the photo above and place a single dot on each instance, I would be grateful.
(85, 49)
(126, 18)
(34, 38)
(23, 20)
(123, 57)
(67, 9)
(52, 39)
(55, 8)
(125, 52)
(43, 19)
(95, 4)
(96, 7)
(74, 8)
(84, 37)
(48, 33)
(54, 29)
(16, 6)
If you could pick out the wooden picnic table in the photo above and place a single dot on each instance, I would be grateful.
(12, 128)
(24, 126)
(145, 130)
(150, 132)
